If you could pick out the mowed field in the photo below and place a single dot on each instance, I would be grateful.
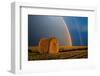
(65, 52)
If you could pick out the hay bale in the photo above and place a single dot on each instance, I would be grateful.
(53, 45)
(43, 46)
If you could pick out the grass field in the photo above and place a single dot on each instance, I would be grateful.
(65, 52)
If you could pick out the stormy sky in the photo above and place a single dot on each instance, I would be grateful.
(45, 26)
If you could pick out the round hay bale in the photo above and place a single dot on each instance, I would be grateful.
(53, 46)
(43, 46)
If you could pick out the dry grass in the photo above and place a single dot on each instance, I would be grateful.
(65, 52)
(61, 48)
